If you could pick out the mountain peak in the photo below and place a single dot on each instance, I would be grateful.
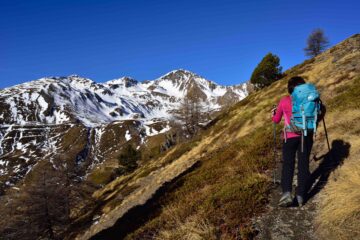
(179, 73)
(70, 78)
(78, 81)
(126, 81)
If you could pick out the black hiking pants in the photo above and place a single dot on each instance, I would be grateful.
(290, 148)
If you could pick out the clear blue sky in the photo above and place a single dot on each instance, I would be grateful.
(221, 40)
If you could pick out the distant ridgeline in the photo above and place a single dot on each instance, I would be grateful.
(53, 116)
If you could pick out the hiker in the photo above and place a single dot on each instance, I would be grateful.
(294, 142)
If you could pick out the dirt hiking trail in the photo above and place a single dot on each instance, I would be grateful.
(291, 223)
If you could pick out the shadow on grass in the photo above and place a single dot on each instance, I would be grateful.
(330, 161)
(138, 216)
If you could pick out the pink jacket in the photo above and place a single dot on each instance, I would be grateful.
(284, 108)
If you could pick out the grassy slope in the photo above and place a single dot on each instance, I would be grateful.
(231, 183)
(226, 189)
(339, 211)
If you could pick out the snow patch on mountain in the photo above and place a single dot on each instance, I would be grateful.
(35, 116)
(127, 135)
(57, 100)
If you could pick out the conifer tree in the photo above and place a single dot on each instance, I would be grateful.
(317, 42)
(266, 72)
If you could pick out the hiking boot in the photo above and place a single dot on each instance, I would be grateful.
(285, 200)
(300, 200)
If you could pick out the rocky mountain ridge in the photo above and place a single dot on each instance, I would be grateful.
(36, 117)
(57, 100)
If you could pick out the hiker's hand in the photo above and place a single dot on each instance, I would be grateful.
(273, 111)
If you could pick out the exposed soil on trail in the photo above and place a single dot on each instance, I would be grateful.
(291, 223)
(286, 223)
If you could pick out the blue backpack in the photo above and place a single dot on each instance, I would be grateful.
(306, 106)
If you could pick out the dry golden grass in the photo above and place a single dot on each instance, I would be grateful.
(339, 215)
(339, 209)
(194, 228)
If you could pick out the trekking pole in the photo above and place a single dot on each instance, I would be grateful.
(326, 134)
(275, 155)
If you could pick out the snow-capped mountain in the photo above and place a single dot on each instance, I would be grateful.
(57, 100)
(89, 122)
